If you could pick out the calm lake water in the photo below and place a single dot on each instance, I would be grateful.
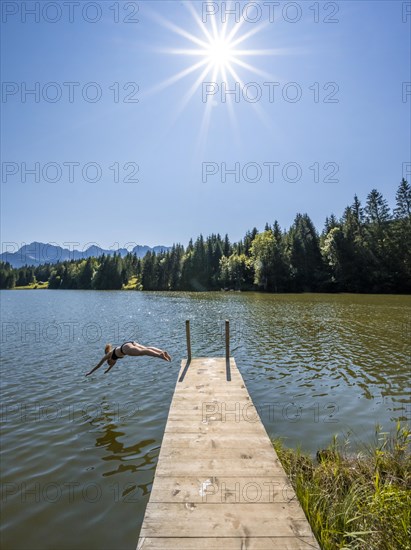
(78, 454)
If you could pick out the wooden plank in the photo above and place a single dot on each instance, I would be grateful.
(227, 543)
(221, 489)
(246, 453)
(225, 520)
(219, 483)
(212, 467)
(213, 429)
(206, 441)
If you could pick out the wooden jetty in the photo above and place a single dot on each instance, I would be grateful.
(219, 483)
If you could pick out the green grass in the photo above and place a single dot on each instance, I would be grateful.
(360, 501)
(33, 286)
(133, 284)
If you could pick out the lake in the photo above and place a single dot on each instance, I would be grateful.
(78, 454)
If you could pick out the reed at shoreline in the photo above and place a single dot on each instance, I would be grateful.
(356, 501)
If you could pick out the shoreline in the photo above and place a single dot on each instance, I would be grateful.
(231, 291)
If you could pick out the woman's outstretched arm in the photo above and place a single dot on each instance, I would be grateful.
(101, 362)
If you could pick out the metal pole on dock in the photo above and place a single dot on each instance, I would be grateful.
(188, 340)
(227, 340)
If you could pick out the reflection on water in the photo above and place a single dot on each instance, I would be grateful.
(78, 454)
(123, 457)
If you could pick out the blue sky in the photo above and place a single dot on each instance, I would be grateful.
(363, 58)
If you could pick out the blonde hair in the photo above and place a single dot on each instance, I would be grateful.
(107, 348)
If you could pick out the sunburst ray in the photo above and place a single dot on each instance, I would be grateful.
(220, 47)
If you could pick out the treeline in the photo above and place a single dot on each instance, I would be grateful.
(103, 273)
(367, 250)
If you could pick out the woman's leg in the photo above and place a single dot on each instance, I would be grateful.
(161, 351)
(154, 349)
(136, 350)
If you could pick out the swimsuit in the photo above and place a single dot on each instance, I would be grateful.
(128, 342)
(114, 357)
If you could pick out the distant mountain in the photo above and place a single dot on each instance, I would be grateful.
(37, 253)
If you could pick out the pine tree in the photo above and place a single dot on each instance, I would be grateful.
(306, 263)
(86, 275)
(401, 243)
(403, 202)
(378, 234)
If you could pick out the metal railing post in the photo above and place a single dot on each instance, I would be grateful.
(227, 340)
(227, 351)
(188, 340)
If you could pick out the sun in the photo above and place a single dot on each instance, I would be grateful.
(220, 53)
(218, 47)
(217, 51)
